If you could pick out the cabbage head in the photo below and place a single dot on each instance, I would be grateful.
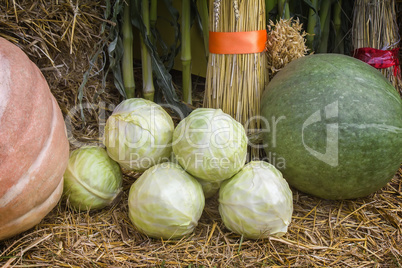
(210, 188)
(138, 134)
(92, 179)
(257, 202)
(165, 202)
(210, 144)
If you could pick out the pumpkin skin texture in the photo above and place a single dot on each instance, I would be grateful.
(33, 144)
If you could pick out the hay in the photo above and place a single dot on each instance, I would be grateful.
(365, 232)
(375, 26)
(359, 233)
(61, 37)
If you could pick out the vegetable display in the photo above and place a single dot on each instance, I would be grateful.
(257, 202)
(33, 143)
(338, 126)
(210, 144)
(138, 134)
(92, 179)
(165, 201)
(210, 188)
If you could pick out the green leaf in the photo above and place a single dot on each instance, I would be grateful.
(162, 75)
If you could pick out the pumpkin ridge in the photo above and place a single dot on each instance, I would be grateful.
(18, 187)
(26, 221)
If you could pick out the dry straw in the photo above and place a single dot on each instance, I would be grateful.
(375, 25)
(366, 232)
(286, 42)
(234, 83)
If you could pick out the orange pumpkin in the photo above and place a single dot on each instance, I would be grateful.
(33, 144)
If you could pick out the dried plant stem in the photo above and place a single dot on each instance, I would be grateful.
(375, 26)
(234, 83)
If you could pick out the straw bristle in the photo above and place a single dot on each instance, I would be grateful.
(234, 83)
(286, 42)
(365, 232)
(375, 26)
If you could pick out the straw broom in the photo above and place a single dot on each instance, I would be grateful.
(235, 82)
(375, 26)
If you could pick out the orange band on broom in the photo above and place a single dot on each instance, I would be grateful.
(237, 42)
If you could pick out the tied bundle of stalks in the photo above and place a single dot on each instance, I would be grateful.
(286, 42)
(375, 26)
(235, 82)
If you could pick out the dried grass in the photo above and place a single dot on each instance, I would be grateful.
(235, 82)
(286, 42)
(365, 232)
(375, 26)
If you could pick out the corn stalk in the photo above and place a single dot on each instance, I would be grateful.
(127, 60)
(186, 51)
(148, 89)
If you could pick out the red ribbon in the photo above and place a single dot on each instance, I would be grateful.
(378, 58)
(237, 42)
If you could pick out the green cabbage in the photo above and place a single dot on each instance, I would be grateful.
(256, 202)
(138, 134)
(92, 180)
(210, 188)
(210, 144)
(165, 201)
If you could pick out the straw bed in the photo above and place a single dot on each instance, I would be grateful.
(360, 233)
(365, 232)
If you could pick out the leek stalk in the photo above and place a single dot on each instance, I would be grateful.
(148, 89)
(153, 15)
(325, 18)
(127, 61)
(283, 9)
(339, 47)
(203, 9)
(269, 6)
(312, 22)
(186, 51)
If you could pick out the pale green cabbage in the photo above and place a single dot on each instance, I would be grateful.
(210, 188)
(165, 202)
(138, 134)
(257, 202)
(210, 144)
(92, 179)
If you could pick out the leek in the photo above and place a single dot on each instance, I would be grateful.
(186, 51)
(283, 9)
(153, 15)
(148, 89)
(127, 61)
(339, 47)
(269, 6)
(203, 9)
(325, 18)
(312, 23)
